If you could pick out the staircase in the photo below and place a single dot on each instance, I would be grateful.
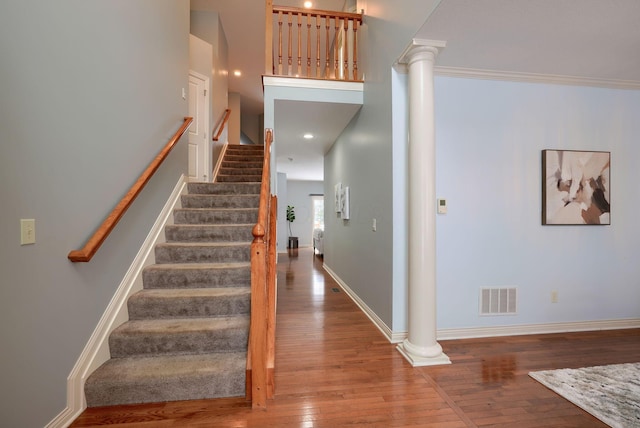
(187, 333)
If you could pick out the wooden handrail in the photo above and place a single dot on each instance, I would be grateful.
(318, 12)
(225, 119)
(96, 240)
(340, 62)
(260, 370)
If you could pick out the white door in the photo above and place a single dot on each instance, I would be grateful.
(198, 141)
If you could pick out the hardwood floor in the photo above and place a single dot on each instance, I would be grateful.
(334, 368)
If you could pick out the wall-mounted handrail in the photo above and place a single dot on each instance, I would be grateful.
(95, 241)
(330, 38)
(223, 123)
(260, 370)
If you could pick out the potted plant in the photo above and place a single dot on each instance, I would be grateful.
(291, 216)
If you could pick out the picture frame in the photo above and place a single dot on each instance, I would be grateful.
(338, 197)
(576, 187)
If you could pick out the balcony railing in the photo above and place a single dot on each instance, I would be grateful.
(311, 43)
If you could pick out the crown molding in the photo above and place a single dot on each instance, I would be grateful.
(473, 73)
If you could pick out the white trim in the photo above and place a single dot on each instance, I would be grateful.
(518, 330)
(384, 329)
(96, 351)
(479, 332)
(472, 73)
(219, 162)
(294, 82)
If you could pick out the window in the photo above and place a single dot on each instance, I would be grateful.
(318, 212)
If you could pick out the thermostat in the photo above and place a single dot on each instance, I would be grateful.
(442, 206)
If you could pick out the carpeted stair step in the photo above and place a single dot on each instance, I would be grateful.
(241, 171)
(197, 275)
(243, 158)
(220, 201)
(179, 336)
(238, 178)
(189, 303)
(212, 252)
(213, 216)
(208, 232)
(230, 164)
(224, 188)
(168, 378)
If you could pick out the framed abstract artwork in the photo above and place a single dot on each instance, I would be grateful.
(338, 197)
(576, 187)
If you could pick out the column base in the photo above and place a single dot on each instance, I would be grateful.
(433, 357)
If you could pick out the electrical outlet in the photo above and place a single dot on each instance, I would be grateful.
(27, 231)
(554, 296)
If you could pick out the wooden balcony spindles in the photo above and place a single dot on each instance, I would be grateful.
(345, 49)
(338, 54)
(290, 40)
(327, 67)
(355, 50)
(308, 45)
(299, 70)
(318, 46)
(280, 43)
(336, 57)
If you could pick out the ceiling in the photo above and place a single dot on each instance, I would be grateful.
(597, 41)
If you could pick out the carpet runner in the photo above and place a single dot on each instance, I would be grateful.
(187, 333)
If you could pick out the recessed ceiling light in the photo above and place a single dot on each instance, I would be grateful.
(237, 73)
(307, 136)
(308, 4)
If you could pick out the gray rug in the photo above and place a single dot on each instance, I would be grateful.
(610, 393)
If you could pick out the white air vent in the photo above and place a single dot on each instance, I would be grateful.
(498, 301)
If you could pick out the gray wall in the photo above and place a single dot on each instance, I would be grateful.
(206, 25)
(362, 160)
(91, 91)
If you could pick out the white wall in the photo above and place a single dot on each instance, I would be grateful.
(298, 196)
(489, 138)
(90, 93)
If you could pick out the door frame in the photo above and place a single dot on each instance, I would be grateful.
(204, 148)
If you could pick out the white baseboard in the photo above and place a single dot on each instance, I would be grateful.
(375, 319)
(517, 330)
(478, 332)
(96, 350)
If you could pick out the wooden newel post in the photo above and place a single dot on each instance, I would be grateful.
(258, 327)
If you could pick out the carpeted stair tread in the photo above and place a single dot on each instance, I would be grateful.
(203, 252)
(241, 171)
(189, 303)
(197, 275)
(224, 188)
(208, 232)
(246, 164)
(220, 201)
(167, 378)
(238, 178)
(213, 216)
(179, 336)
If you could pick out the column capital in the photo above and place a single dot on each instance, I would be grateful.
(430, 48)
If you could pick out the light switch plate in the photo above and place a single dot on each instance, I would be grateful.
(27, 231)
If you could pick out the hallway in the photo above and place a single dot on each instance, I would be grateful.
(334, 368)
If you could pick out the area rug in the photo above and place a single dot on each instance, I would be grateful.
(610, 393)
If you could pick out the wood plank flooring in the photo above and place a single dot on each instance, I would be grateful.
(335, 369)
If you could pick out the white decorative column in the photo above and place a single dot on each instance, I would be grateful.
(421, 347)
